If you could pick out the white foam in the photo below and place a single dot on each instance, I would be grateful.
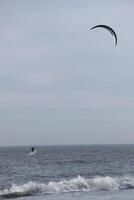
(126, 182)
(22, 190)
(105, 183)
(75, 184)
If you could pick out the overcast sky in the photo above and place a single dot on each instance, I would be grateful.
(60, 82)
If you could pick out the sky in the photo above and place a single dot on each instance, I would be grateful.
(60, 82)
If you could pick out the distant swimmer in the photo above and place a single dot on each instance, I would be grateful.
(33, 151)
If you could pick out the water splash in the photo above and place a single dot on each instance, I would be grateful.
(78, 184)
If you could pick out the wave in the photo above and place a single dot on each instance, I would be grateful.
(78, 184)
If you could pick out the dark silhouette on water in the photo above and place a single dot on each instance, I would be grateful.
(33, 151)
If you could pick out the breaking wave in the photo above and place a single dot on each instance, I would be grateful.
(78, 184)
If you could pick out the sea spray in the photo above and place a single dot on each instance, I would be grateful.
(78, 184)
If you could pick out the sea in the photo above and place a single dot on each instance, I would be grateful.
(82, 172)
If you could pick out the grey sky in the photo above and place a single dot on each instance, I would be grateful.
(60, 82)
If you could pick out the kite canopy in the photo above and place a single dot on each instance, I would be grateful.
(109, 29)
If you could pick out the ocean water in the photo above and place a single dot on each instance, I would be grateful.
(89, 172)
